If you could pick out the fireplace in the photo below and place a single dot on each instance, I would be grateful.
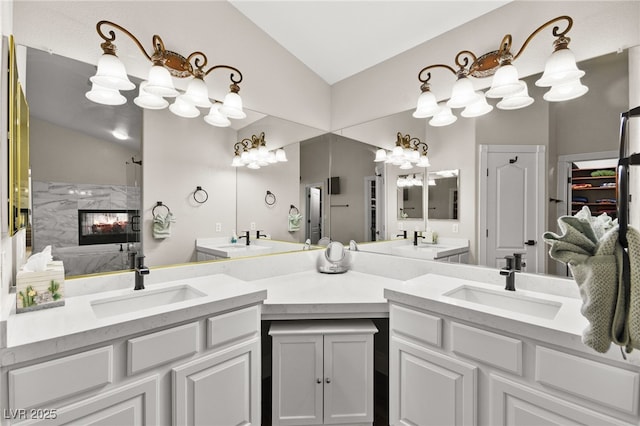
(108, 226)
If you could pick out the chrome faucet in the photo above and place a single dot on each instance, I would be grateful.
(247, 236)
(509, 272)
(140, 271)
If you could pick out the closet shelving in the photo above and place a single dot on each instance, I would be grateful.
(596, 192)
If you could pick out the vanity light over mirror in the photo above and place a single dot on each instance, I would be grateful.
(443, 189)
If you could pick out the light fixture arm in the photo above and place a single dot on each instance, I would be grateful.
(416, 144)
(560, 35)
(178, 65)
(246, 144)
(426, 80)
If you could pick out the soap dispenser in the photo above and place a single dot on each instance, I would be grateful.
(234, 237)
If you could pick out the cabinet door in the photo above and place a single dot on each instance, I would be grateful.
(348, 379)
(427, 388)
(221, 389)
(297, 380)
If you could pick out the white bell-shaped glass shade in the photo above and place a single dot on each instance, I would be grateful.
(414, 156)
(423, 161)
(216, 118)
(148, 101)
(281, 156)
(566, 91)
(444, 117)
(112, 74)
(406, 165)
(184, 109)
(197, 93)
(105, 96)
(432, 182)
(427, 105)
(253, 165)
(160, 83)
(272, 157)
(462, 94)
(505, 82)
(237, 161)
(232, 106)
(381, 155)
(560, 68)
(245, 157)
(478, 108)
(517, 100)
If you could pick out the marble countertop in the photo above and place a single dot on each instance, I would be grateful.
(74, 325)
(290, 288)
(405, 248)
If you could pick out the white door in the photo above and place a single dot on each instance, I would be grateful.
(314, 209)
(348, 379)
(297, 380)
(512, 205)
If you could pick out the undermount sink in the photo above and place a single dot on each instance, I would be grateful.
(510, 301)
(143, 299)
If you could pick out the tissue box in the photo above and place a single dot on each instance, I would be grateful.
(38, 290)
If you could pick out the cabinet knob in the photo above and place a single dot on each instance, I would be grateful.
(318, 380)
(328, 380)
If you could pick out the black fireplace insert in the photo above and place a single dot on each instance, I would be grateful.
(108, 226)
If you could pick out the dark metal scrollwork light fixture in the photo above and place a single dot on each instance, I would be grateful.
(254, 154)
(111, 77)
(407, 153)
(561, 74)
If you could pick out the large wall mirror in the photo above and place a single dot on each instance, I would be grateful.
(72, 170)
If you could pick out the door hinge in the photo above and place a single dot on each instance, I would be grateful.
(487, 172)
(569, 179)
(487, 233)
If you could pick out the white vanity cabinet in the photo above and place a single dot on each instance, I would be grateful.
(446, 370)
(204, 371)
(322, 372)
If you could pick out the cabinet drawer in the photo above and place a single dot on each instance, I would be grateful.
(491, 348)
(237, 325)
(159, 348)
(415, 325)
(50, 381)
(600, 383)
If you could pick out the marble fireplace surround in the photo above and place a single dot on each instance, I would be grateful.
(55, 223)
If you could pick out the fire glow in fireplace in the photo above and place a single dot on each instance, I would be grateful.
(108, 226)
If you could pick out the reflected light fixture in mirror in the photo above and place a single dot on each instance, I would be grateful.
(254, 154)
(404, 181)
(561, 74)
(111, 77)
(407, 153)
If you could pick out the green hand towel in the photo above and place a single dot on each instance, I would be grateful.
(162, 225)
(294, 221)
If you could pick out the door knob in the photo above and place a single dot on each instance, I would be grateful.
(318, 380)
(530, 243)
(328, 380)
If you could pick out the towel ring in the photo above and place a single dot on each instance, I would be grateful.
(200, 195)
(159, 204)
(270, 198)
(294, 209)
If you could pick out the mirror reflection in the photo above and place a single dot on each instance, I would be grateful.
(85, 168)
(352, 196)
(443, 194)
(410, 200)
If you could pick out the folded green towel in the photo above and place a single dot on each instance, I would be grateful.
(590, 247)
(294, 221)
(162, 225)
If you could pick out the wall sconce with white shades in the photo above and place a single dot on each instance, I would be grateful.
(111, 77)
(254, 154)
(561, 74)
(407, 153)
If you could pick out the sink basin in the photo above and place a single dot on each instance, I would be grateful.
(143, 299)
(510, 301)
